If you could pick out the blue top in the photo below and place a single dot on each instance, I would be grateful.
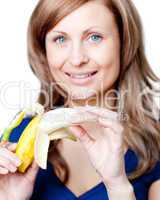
(49, 187)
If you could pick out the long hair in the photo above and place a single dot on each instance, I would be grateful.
(142, 129)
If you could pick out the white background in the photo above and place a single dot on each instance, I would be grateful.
(14, 16)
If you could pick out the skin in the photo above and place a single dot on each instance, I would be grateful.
(78, 52)
(75, 51)
(81, 54)
(10, 177)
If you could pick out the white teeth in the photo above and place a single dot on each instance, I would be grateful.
(80, 76)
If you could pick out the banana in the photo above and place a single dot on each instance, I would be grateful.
(44, 127)
(28, 111)
(62, 133)
(42, 144)
(54, 125)
(64, 117)
(25, 146)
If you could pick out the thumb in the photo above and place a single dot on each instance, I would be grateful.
(32, 172)
(12, 146)
(82, 135)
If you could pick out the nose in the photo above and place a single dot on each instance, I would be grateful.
(78, 56)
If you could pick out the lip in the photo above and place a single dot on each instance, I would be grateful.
(82, 81)
(74, 73)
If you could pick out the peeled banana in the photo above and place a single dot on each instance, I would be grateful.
(44, 127)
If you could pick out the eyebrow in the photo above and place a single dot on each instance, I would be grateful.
(84, 32)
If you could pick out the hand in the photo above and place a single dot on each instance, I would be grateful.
(106, 152)
(14, 185)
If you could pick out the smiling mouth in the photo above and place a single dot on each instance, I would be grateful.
(81, 76)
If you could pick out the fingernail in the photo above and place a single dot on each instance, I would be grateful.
(18, 162)
(5, 171)
(13, 169)
(75, 130)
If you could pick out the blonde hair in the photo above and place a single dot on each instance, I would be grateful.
(142, 130)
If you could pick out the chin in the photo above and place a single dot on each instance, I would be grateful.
(82, 94)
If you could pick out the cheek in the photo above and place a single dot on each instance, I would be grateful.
(107, 55)
(55, 57)
(111, 63)
(108, 58)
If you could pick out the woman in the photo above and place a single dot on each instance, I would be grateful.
(91, 52)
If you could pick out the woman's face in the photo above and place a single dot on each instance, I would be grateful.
(83, 51)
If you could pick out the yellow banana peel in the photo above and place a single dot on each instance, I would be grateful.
(44, 127)
(25, 146)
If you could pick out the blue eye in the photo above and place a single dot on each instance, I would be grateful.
(96, 38)
(59, 39)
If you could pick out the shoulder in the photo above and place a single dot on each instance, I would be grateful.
(148, 182)
(131, 162)
(154, 191)
(153, 175)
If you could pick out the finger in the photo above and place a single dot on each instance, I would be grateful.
(10, 156)
(82, 134)
(114, 126)
(5, 163)
(8, 145)
(32, 172)
(12, 147)
(102, 112)
(3, 170)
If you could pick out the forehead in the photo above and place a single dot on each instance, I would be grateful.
(90, 14)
